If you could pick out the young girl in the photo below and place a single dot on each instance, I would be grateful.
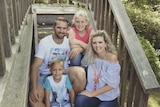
(79, 36)
(57, 87)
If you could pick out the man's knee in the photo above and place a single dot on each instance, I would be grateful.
(37, 104)
(77, 73)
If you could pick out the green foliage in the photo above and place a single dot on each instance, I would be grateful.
(42, 1)
(147, 25)
(145, 22)
(151, 55)
(145, 2)
(51, 1)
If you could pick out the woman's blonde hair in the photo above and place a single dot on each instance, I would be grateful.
(90, 53)
(79, 13)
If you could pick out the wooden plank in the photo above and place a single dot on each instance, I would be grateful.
(15, 17)
(131, 87)
(2, 57)
(124, 78)
(144, 100)
(98, 12)
(11, 20)
(137, 95)
(17, 94)
(19, 13)
(35, 30)
(53, 9)
(49, 18)
(5, 30)
(106, 15)
(91, 18)
(115, 35)
(101, 18)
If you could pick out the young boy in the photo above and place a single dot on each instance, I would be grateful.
(57, 87)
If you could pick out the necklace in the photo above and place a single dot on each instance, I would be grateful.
(97, 74)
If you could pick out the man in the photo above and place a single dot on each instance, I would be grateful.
(50, 47)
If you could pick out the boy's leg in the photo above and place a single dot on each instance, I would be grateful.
(78, 78)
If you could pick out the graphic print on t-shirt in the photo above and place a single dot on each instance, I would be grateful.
(60, 53)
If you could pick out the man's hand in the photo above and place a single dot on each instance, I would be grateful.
(34, 96)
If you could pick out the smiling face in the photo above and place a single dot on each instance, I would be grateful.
(80, 23)
(60, 29)
(57, 70)
(99, 45)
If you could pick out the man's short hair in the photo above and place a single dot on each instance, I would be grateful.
(60, 18)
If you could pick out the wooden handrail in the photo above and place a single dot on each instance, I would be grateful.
(134, 48)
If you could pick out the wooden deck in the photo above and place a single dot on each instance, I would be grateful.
(31, 22)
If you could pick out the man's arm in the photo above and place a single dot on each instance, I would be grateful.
(34, 94)
(34, 71)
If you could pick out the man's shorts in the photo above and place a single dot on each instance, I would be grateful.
(41, 78)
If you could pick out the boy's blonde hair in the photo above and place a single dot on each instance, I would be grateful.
(56, 61)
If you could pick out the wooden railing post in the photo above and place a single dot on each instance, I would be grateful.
(5, 28)
(15, 12)
(11, 20)
(2, 57)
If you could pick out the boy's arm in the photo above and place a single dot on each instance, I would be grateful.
(47, 88)
(72, 96)
(47, 100)
(70, 90)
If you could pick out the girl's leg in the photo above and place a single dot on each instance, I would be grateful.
(84, 101)
(76, 61)
(113, 103)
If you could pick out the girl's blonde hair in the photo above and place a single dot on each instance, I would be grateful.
(79, 13)
(90, 53)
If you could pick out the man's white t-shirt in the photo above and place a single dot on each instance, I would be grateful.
(48, 50)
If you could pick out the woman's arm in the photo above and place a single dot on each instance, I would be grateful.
(97, 92)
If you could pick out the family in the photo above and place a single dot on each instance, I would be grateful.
(78, 70)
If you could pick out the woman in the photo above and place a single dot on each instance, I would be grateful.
(103, 73)
(79, 36)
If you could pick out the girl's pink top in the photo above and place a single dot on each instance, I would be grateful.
(85, 37)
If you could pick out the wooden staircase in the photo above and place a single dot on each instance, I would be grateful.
(34, 21)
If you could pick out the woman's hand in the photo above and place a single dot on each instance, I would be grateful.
(87, 93)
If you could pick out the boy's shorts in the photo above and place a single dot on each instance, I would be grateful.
(64, 104)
